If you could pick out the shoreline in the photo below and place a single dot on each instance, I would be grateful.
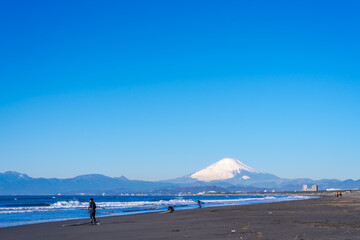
(291, 196)
(321, 218)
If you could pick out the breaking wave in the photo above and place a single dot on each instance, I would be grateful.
(142, 205)
(74, 205)
(240, 201)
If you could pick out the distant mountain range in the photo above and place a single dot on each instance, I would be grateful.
(226, 175)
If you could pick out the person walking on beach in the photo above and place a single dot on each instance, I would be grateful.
(198, 203)
(92, 207)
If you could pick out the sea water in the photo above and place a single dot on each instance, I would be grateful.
(20, 210)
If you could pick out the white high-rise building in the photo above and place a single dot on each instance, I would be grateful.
(314, 188)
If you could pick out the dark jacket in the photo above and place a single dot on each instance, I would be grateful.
(92, 206)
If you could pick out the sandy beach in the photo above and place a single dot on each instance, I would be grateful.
(327, 217)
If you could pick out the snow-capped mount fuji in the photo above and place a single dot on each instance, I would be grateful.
(224, 169)
(230, 170)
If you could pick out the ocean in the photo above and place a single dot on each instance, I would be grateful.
(21, 210)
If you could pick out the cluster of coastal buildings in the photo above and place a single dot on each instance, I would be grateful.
(313, 188)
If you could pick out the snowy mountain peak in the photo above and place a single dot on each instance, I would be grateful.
(224, 169)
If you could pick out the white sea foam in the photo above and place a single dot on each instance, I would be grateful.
(226, 201)
(252, 200)
(73, 205)
(143, 205)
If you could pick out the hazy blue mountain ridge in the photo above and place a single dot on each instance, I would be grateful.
(13, 183)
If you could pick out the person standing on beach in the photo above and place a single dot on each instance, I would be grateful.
(92, 207)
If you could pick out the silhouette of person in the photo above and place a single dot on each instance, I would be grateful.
(92, 207)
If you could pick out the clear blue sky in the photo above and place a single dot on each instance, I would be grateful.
(159, 89)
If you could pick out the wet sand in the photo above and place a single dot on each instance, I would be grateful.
(324, 218)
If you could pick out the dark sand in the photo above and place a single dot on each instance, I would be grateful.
(324, 218)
